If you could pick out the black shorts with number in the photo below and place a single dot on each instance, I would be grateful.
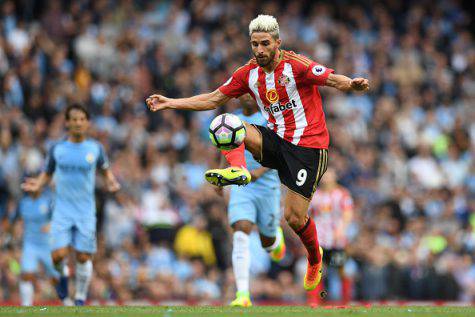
(300, 168)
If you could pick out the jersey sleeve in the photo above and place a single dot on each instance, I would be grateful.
(236, 86)
(316, 74)
(50, 161)
(102, 159)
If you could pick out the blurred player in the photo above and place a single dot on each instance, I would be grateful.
(295, 141)
(73, 162)
(258, 204)
(35, 210)
(332, 209)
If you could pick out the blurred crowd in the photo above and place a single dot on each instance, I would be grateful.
(405, 151)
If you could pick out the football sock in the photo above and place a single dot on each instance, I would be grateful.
(275, 244)
(26, 293)
(83, 279)
(241, 260)
(308, 235)
(235, 157)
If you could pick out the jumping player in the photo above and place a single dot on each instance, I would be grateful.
(74, 162)
(295, 142)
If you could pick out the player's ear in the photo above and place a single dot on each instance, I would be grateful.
(278, 42)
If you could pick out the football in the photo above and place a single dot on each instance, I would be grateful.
(227, 131)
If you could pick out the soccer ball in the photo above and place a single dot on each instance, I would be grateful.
(227, 131)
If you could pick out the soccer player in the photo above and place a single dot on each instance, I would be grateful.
(73, 162)
(35, 210)
(295, 141)
(332, 209)
(258, 203)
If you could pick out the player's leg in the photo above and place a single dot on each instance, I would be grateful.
(295, 212)
(237, 174)
(242, 216)
(301, 173)
(27, 290)
(241, 260)
(83, 277)
(84, 243)
(29, 265)
(268, 219)
(61, 234)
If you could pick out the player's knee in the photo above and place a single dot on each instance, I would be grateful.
(295, 220)
(58, 255)
(83, 257)
(253, 140)
(267, 241)
(244, 226)
(28, 277)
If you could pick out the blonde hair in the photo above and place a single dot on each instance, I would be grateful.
(265, 23)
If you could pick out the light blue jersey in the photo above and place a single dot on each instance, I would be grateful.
(270, 180)
(258, 202)
(36, 215)
(74, 168)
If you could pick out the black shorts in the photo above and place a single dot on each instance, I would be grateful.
(300, 168)
(334, 257)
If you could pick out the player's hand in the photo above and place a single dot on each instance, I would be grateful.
(360, 84)
(157, 102)
(113, 185)
(31, 185)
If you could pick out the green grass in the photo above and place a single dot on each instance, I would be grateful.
(262, 311)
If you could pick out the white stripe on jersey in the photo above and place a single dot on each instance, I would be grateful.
(253, 78)
(279, 117)
(299, 111)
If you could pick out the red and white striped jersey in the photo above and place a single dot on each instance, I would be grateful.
(332, 211)
(288, 97)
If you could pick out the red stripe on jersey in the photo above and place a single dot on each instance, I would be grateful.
(261, 87)
(288, 114)
(316, 127)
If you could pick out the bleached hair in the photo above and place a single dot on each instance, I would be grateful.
(265, 23)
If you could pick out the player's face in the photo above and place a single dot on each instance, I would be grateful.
(264, 47)
(77, 123)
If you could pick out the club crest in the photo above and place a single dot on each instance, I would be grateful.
(272, 96)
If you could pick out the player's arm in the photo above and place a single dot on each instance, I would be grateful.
(346, 84)
(201, 102)
(35, 184)
(111, 182)
(6, 236)
(316, 74)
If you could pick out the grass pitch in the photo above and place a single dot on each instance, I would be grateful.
(224, 311)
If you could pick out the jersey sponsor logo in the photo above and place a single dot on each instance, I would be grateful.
(283, 80)
(69, 168)
(278, 107)
(90, 158)
(272, 95)
(318, 70)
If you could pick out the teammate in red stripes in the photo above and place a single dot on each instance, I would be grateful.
(295, 141)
